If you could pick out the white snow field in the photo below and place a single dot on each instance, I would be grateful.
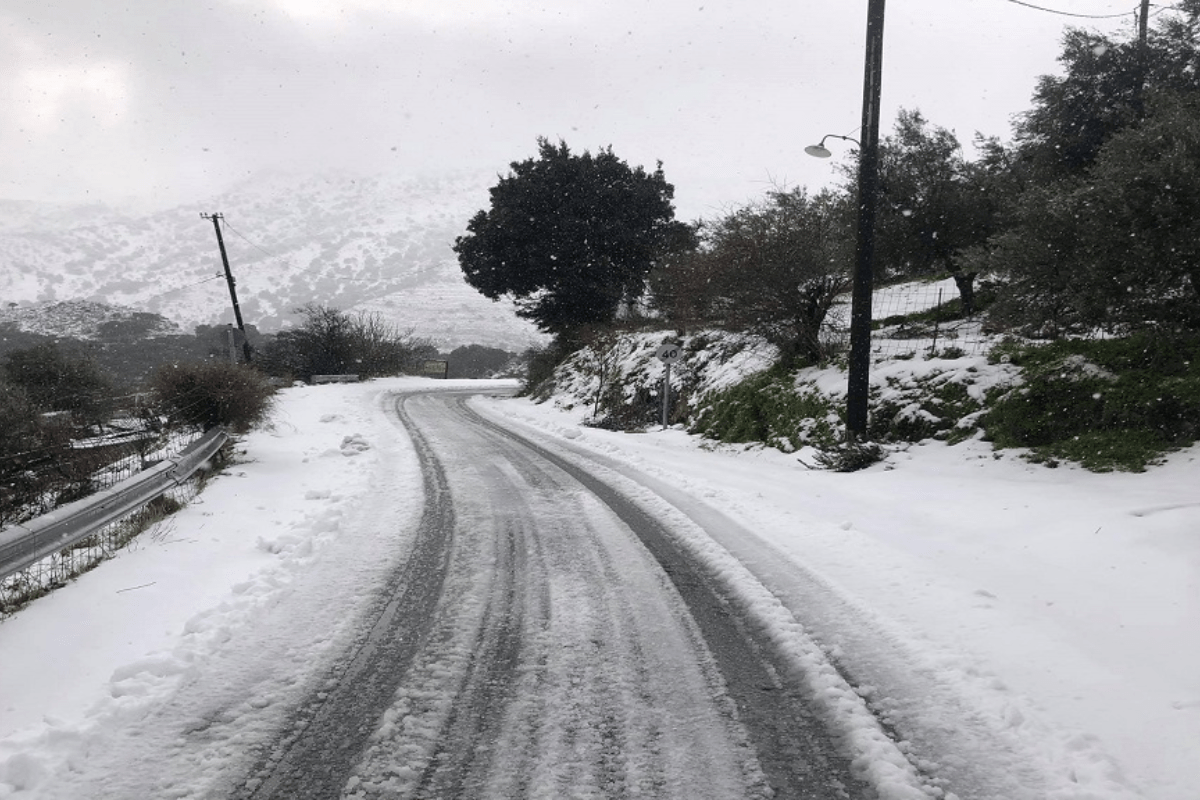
(1024, 632)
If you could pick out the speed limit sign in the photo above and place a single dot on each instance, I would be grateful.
(668, 353)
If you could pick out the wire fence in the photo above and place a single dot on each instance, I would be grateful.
(36, 482)
(915, 319)
(72, 472)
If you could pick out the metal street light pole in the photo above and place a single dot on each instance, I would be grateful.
(858, 387)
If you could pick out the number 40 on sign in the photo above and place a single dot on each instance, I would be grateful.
(668, 353)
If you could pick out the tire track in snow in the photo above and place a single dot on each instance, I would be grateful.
(796, 751)
(474, 720)
(612, 693)
(330, 730)
(547, 640)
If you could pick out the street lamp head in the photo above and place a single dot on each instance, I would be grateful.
(821, 151)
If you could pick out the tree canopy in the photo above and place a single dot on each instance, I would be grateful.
(571, 237)
(934, 204)
(1084, 220)
(777, 266)
(54, 380)
(1104, 89)
(1103, 231)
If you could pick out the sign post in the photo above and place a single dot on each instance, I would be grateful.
(668, 354)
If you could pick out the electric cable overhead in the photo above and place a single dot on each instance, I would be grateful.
(1069, 13)
(242, 236)
(216, 277)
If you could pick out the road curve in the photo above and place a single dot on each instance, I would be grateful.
(547, 639)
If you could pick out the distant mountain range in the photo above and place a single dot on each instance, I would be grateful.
(372, 244)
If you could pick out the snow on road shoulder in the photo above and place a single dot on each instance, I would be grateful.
(1053, 610)
(94, 657)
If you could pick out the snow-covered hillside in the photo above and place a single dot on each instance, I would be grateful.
(353, 243)
(83, 319)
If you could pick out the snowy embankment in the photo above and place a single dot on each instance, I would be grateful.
(1029, 633)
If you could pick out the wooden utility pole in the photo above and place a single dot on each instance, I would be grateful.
(859, 383)
(1143, 58)
(216, 218)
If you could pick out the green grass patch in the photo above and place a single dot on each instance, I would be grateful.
(1108, 451)
(768, 408)
(1117, 404)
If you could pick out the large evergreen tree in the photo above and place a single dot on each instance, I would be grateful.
(571, 237)
(1103, 231)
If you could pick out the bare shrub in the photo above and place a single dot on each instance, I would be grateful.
(214, 393)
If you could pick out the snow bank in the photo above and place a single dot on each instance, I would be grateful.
(287, 520)
(710, 360)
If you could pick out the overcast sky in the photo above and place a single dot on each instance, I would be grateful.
(169, 101)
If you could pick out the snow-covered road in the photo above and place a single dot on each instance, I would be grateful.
(506, 633)
(561, 662)
(466, 599)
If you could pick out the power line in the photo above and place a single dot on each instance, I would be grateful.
(247, 241)
(190, 285)
(1068, 13)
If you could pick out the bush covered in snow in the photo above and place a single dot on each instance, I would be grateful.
(619, 381)
(772, 409)
(1105, 404)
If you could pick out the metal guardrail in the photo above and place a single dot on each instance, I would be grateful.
(27, 543)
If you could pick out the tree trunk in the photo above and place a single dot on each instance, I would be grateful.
(965, 281)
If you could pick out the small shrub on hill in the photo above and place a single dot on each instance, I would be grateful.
(924, 409)
(213, 393)
(539, 377)
(616, 413)
(850, 456)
